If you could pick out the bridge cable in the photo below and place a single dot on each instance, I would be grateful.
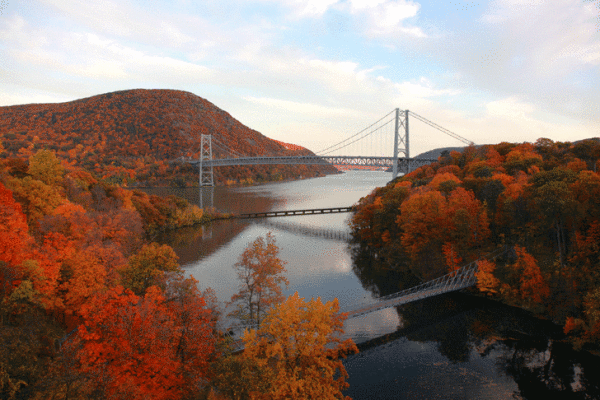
(441, 129)
(322, 152)
(228, 149)
(356, 134)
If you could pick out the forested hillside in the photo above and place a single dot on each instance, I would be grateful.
(541, 201)
(130, 138)
(91, 309)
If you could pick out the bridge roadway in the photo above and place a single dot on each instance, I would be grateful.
(289, 213)
(365, 161)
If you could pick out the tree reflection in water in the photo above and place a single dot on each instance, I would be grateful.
(527, 350)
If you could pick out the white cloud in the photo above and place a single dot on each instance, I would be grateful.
(510, 107)
(546, 52)
(315, 7)
(422, 89)
(387, 17)
(9, 99)
(306, 8)
(90, 55)
(552, 36)
(123, 19)
(315, 110)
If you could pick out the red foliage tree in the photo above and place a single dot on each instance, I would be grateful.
(145, 348)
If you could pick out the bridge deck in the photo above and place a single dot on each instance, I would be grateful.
(288, 213)
(372, 161)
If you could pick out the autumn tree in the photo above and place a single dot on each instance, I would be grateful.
(299, 343)
(148, 268)
(145, 347)
(44, 166)
(37, 198)
(27, 335)
(486, 280)
(14, 239)
(422, 219)
(259, 270)
(555, 205)
(526, 281)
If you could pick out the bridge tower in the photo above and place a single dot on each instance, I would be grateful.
(205, 177)
(401, 142)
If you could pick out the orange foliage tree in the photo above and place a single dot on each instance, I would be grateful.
(527, 280)
(486, 281)
(14, 237)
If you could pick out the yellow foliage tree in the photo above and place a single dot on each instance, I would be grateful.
(44, 166)
(299, 342)
(148, 268)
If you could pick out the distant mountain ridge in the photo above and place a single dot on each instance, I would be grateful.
(132, 135)
(435, 153)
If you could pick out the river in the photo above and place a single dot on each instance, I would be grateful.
(450, 347)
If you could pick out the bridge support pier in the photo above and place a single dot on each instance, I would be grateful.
(205, 174)
(401, 142)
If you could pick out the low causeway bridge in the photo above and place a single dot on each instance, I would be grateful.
(289, 213)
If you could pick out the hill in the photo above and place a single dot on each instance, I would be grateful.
(435, 153)
(130, 137)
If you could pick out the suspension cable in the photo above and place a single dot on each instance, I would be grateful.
(356, 134)
(339, 145)
(441, 129)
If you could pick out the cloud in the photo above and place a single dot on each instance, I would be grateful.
(422, 89)
(387, 17)
(70, 56)
(545, 52)
(123, 19)
(510, 107)
(375, 17)
(314, 110)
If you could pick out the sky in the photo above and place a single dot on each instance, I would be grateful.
(313, 72)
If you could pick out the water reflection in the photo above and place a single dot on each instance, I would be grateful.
(451, 346)
(379, 275)
(474, 343)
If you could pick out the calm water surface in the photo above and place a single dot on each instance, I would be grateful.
(449, 347)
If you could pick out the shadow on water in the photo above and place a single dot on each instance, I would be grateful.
(462, 346)
(379, 275)
(461, 336)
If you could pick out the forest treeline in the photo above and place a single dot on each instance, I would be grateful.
(131, 137)
(540, 200)
(90, 308)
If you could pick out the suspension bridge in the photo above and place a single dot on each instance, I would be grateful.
(379, 145)
(462, 278)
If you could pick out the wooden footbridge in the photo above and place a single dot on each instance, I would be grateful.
(460, 279)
